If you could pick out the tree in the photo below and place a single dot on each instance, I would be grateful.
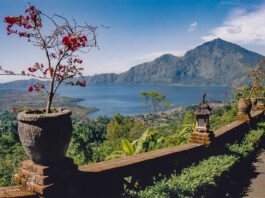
(153, 104)
(60, 48)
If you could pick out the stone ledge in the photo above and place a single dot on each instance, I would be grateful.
(244, 117)
(135, 159)
(38, 179)
(16, 191)
(46, 180)
(66, 164)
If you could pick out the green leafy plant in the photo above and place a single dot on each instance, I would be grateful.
(127, 147)
(199, 178)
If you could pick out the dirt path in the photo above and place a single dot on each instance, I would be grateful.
(257, 184)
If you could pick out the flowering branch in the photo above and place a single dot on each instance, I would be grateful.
(60, 47)
(258, 75)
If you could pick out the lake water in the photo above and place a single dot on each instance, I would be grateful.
(126, 98)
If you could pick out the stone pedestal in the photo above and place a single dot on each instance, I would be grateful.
(201, 137)
(48, 181)
(243, 117)
(261, 107)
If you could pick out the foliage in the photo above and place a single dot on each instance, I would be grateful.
(176, 133)
(11, 150)
(191, 179)
(85, 137)
(153, 102)
(223, 116)
(107, 150)
(10, 160)
(127, 147)
(248, 144)
(60, 48)
(123, 128)
(148, 141)
(257, 75)
(198, 178)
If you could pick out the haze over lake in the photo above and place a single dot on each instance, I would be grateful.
(126, 98)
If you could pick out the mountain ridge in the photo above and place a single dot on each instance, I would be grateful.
(215, 62)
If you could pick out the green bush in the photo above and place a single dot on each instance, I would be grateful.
(199, 178)
(191, 180)
(248, 144)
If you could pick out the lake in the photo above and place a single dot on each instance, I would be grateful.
(126, 98)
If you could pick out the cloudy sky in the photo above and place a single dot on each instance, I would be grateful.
(139, 30)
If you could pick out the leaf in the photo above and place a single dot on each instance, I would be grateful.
(127, 147)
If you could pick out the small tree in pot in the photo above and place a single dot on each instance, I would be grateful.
(258, 76)
(46, 135)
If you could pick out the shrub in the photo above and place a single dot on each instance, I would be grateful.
(199, 178)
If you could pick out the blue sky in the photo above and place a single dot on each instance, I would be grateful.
(140, 30)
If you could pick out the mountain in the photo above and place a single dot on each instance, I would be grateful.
(216, 62)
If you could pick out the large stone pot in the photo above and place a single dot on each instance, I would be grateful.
(45, 137)
(244, 106)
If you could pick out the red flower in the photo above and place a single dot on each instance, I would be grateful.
(45, 72)
(76, 60)
(83, 83)
(21, 34)
(30, 89)
(74, 42)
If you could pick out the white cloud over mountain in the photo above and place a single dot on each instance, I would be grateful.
(242, 26)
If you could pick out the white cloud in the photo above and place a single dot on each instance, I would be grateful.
(242, 26)
(192, 27)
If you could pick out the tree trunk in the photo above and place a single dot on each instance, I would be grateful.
(49, 103)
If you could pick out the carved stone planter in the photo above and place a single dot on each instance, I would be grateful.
(45, 137)
(244, 106)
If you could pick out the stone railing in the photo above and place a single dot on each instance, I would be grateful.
(106, 179)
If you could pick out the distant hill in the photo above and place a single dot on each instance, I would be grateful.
(216, 62)
(21, 83)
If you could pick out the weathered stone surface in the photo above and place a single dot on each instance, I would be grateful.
(201, 138)
(45, 137)
(16, 191)
(243, 117)
(47, 180)
(244, 106)
(261, 108)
